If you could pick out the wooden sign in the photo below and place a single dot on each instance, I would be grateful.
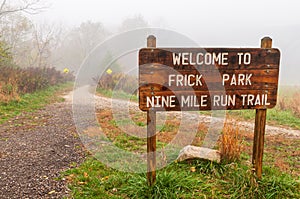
(186, 79)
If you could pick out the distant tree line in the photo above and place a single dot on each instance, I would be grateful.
(30, 51)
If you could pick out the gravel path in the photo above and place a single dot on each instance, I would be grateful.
(34, 149)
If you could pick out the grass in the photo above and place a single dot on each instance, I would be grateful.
(274, 116)
(198, 178)
(190, 179)
(210, 180)
(116, 94)
(32, 101)
(285, 113)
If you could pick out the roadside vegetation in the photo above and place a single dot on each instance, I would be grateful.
(27, 89)
(32, 101)
(16, 81)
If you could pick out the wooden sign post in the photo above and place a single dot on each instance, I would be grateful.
(151, 132)
(193, 79)
(260, 126)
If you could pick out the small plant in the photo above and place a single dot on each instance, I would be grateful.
(230, 143)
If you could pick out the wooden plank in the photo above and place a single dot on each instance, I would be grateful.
(165, 79)
(260, 58)
(205, 100)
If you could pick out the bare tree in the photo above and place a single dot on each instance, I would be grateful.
(45, 40)
(15, 29)
(26, 6)
(77, 43)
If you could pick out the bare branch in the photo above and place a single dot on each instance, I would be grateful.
(32, 7)
(2, 5)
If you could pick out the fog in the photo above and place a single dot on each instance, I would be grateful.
(210, 23)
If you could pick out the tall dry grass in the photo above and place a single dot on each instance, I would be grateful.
(230, 143)
(290, 103)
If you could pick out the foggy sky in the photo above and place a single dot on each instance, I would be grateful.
(210, 23)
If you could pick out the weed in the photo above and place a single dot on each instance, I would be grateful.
(230, 144)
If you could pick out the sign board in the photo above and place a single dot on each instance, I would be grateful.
(186, 79)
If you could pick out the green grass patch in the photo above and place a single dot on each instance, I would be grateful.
(166, 127)
(279, 117)
(32, 101)
(117, 94)
(130, 143)
(211, 180)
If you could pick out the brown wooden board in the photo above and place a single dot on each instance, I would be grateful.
(211, 72)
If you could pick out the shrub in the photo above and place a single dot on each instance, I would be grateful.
(15, 81)
(119, 81)
(5, 55)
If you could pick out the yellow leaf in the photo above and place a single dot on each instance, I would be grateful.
(66, 70)
(109, 71)
(193, 169)
(105, 178)
(85, 174)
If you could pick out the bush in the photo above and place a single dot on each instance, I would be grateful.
(5, 55)
(15, 81)
(120, 82)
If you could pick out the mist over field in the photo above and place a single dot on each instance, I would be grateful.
(209, 23)
(61, 33)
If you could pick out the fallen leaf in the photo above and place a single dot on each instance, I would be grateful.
(193, 169)
(52, 192)
(105, 178)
